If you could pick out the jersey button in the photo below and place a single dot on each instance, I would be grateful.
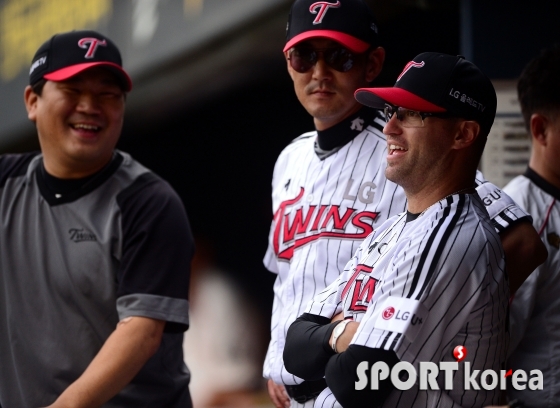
(310, 197)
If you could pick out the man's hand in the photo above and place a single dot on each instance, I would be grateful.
(278, 394)
(124, 353)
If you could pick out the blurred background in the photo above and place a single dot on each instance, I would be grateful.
(213, 106)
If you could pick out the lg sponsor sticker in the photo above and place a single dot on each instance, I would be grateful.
(401, 315)
(429, 371)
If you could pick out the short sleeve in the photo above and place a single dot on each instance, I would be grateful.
(503, 211)
(157, 249)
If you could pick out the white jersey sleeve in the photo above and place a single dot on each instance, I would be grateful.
(502, 209)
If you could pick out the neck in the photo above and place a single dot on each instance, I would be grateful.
(420, 201)
(541, 167)
(72, 170)
(323, 123)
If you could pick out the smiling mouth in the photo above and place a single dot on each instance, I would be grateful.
(394, 148)
(82, 126)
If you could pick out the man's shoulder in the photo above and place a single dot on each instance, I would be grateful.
(302, 141)
(139, 181)
(15, 165)
(518, 187)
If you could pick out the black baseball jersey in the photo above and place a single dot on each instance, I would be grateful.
(73, 262)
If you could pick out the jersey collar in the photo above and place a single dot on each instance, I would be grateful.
(542, 183)
(59, 191)
(330, 140)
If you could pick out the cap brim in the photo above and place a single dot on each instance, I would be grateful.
(352, 43)
(68, 72)
(378, 97)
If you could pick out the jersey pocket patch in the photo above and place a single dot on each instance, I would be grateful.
(401, 315)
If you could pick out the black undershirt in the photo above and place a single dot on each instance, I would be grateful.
(58, 191)
(308, 355)
(332, 139)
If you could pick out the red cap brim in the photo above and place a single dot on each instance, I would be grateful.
(68, 72)
(378, 97)
(350, 42)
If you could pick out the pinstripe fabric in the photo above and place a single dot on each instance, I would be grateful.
(450, 260)
(323, 210)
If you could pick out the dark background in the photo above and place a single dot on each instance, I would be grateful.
(217, 142)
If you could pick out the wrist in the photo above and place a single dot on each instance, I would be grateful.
(337, 332)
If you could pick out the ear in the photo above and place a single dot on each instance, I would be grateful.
(537, 125)
(466, 135)
(375, 60)
(30, 98)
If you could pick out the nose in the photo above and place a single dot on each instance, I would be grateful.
(321, 70)
(88, 103)
(392, 127)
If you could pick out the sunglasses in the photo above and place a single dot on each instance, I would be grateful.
(303, 57)
(411, 118)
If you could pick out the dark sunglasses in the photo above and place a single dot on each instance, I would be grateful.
(303, 57)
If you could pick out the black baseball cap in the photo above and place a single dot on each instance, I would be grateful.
(349, 22)
(435, 82)
(67, 54)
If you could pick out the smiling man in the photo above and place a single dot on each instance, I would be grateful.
(429, 279)
(95, 249)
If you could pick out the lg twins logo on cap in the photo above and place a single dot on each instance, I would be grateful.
(91, 45)
(411, 64)
(323, 6)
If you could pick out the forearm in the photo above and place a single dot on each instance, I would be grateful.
(341, 373)
(124, 353)
(524, 252)
(307, 349)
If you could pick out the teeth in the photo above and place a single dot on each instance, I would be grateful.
(395, 147)
(85, 127)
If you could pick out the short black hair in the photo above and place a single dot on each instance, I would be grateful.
(538, 88)
(37, 87)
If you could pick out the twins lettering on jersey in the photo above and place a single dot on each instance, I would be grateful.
(297, 224)
(363, 287)
(320, 8)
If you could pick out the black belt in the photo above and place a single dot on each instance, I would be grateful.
(306, 390)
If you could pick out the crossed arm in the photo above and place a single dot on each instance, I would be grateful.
(124, 353)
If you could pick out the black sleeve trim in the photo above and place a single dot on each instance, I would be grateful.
(307, 348)
(341, 376)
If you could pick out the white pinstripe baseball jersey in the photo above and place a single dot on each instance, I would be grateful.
(446, 269)
(324, 205)
(535, 309)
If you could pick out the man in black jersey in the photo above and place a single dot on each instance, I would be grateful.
(95, 249)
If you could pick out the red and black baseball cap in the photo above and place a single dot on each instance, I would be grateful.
(349, 22)
(67, 54)
(435, 82)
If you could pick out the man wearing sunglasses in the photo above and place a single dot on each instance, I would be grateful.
(329, 189)
(434, 276)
